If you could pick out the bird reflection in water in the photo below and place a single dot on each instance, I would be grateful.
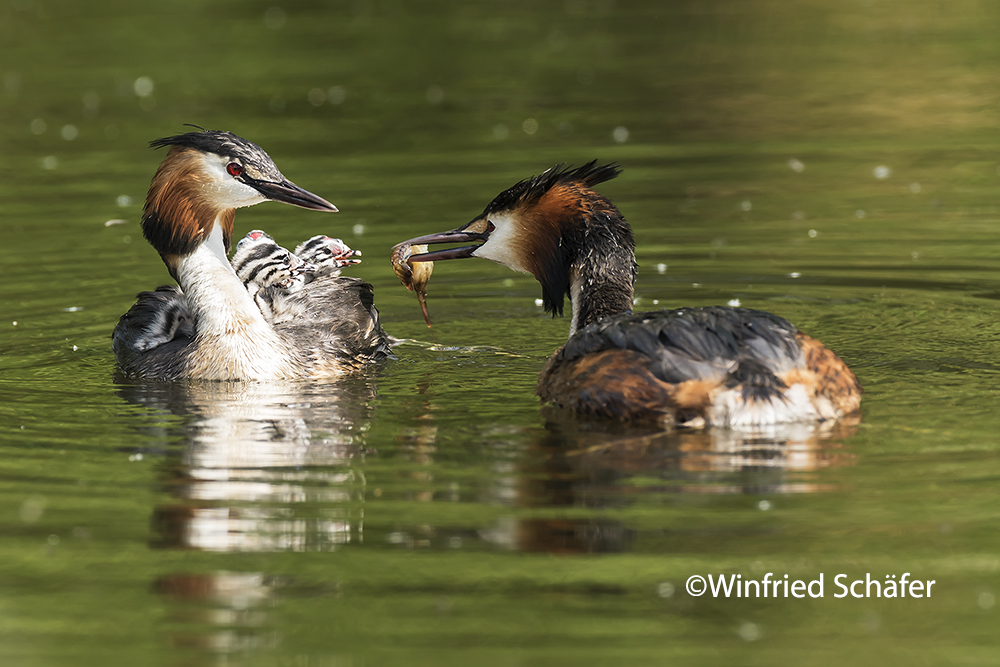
(595, 466)
(280, 467)
(234, 604)
(577, 470)
(268, 466)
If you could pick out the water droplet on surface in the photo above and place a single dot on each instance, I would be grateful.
(316, 96)
(530, 126)
(91, 103)
(871, 622)
(143, 86)
(274, 18)
(435, 95)
(38, 126)
(620, 134)
(12, 83)
(665, 590)
(69, 132)
(796, 165)
(336, 95)
(32, 509)
(749, 632)
(882, 172)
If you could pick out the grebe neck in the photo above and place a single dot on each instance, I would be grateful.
(594, 297)
(601, 271)
(233, 338)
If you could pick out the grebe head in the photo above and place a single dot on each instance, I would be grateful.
(204, 178)
(548, 225)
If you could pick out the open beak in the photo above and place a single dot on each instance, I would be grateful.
(289, 193)
(460, 235)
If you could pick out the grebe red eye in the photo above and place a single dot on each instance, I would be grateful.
(234, 169)
(490, 226)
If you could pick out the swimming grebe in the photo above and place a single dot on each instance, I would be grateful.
(188, 217)
(715, 366)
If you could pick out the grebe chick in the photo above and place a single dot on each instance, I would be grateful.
(188, 217)
(327, 254)
(715, 366)
(269, 272)
(160, 317)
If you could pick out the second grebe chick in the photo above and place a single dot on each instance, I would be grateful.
(327, 254)
(716, 366)
(188, 217)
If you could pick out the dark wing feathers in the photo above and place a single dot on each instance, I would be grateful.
(346, 325)
(695, 343)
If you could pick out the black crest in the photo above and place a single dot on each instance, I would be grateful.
(212, 141)
(532, 189)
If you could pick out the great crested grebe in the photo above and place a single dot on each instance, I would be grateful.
(188, 217)
(714, 366)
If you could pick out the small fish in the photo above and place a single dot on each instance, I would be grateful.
(413, 276)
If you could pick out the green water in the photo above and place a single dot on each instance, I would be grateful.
(428, 512)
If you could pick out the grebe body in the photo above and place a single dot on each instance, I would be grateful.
(188, 217)
(713, 366)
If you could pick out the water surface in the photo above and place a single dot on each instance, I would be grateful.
(834, 164)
